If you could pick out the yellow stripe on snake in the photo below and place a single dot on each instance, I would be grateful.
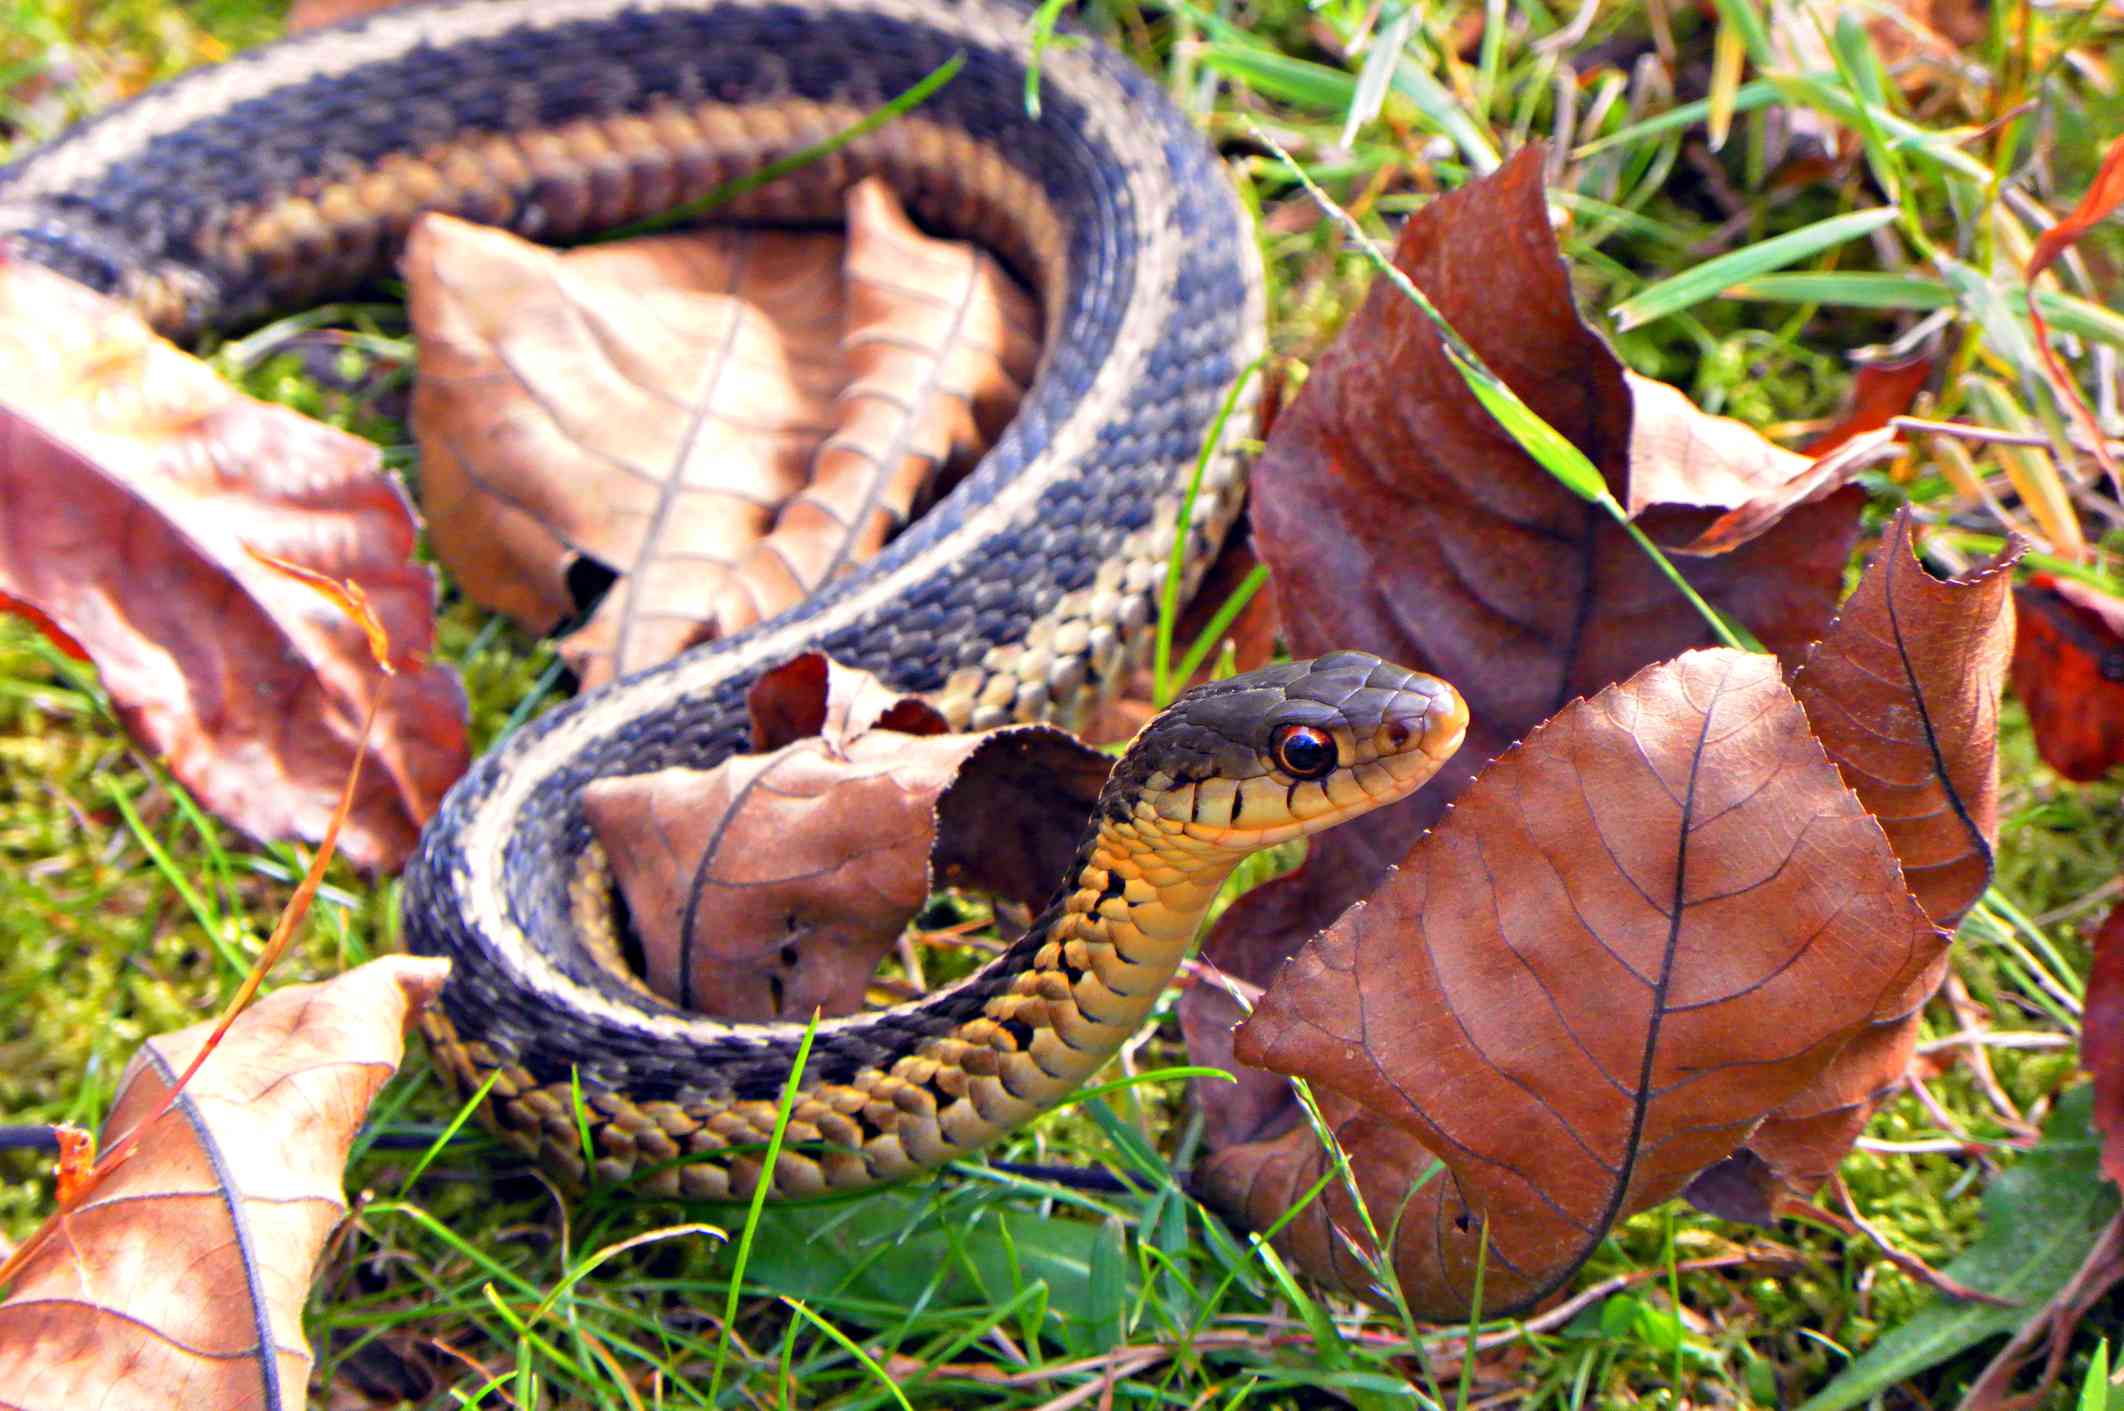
(291, 174)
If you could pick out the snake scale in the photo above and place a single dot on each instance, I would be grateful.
(290, 174)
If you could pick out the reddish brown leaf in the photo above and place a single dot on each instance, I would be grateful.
(1880, 392)
(135, 489)
(180, 1281)
(2068, 670)
(1903, 692)
(1801, 1143)
(1659, 919)
(1399, 518)
(773, 884)
(53, 632)
(815, 695)
(1815, 481)
(2102, 1040)
(726, 419)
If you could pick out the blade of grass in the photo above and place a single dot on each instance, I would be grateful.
(1693, 286)
(1278, 76)
(1220, 622)
(1213, 441)
(1377, 75)
(450, 1130)
(1858, 289)
(180, 882)
(1746, 99)
(1438, 104)
(783, 1108)
(730, 190)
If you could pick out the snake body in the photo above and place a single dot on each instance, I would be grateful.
(291, 173)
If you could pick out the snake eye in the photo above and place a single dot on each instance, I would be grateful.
(1304, 750)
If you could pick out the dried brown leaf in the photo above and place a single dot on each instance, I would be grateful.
(316, 14)
(940, 346)
(180, 1280)
(646, 406)
(1903, 691)
(724, 419)
(1660, 918)
(136, 489)
(772, 884)
(815, 695)
(1399, 518)
(1881, 391)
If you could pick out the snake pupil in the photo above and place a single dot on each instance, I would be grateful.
(1305, 751)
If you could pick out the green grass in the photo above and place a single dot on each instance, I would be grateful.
(122, 912)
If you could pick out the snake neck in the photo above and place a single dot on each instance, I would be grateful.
(1074, 989)
(1105, 949)
(1022, 1035)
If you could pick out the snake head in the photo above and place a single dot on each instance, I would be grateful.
(1287, 750)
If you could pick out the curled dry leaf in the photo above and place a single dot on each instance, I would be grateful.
(815, 695)
(1398, 517)
(180, 1279)
(724, 419)
(1659, 918)
(940, 345)
(1903, 691)
(642, 406)
(136, 490)
(772, 884)
(1880, 393)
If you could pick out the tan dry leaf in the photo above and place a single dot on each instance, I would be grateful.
(655, 407)
(180, 1280)
(647, 406)
(134, 487)
(940, 346)
(1659, 919)
(773, 883)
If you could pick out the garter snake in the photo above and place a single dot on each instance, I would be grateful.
(291, 173)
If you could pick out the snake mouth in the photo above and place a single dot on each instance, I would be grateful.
(1225, 774)
(1418, 733)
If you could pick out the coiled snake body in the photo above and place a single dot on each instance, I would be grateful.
(290, 174)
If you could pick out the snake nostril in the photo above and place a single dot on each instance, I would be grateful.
(1397, 733)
